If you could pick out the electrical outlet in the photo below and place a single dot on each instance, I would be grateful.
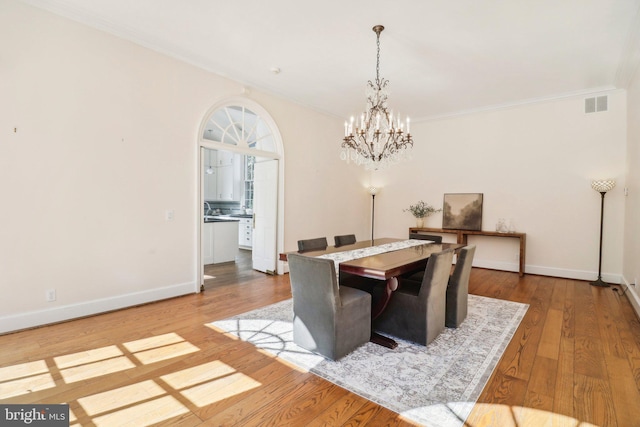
(51, 295)
(169, 214)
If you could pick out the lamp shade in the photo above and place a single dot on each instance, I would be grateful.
(603, 185)
(373, 190)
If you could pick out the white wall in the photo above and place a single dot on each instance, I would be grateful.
(534, 164)
(631, 224)
(105, 143)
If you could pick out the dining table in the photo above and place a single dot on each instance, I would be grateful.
(386, 265)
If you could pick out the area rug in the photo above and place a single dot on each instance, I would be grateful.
(435, 385)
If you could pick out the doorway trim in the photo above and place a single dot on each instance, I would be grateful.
(278, 154)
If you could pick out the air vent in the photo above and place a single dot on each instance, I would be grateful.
(596, 104)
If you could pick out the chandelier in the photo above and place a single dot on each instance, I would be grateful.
(377, 139)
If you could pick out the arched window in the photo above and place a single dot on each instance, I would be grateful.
(241, 127)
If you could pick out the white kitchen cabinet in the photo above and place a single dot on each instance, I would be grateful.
(229, 176)
(245, 233)
(225, 183)
(225, 158)
(219, 242)
(225, 243)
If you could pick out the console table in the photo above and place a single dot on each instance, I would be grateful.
(463, 234)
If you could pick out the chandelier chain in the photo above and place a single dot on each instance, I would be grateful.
(378, 58)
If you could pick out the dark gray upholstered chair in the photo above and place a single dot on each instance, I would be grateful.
(418, 315)
(420, 236)
(317, 244)
(458, 288)
(327, 319)
(347, 239)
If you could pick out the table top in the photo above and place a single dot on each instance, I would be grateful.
(333, 249)
(395, 263)
(388, 264)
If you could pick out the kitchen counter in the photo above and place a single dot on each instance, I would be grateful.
(220, 218)
(219, 240)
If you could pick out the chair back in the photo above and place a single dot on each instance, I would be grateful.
(460, 276)
(314, 284)
(433, 293)
(420, 236)
(317, 244)
(346, 239)
(458, 287)
(327, 319)
(436, 275)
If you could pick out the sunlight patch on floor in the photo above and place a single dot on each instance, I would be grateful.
(159, 348)
(120, 397)
(164, 353)
(26, 385)
(484, 414)
(153, 342)
(210, 382)
(86, 357)
(147, 402)
(147, 413)
(223, 388)
(24, 378)
(197, 374)
(97, 369)
(23, 370)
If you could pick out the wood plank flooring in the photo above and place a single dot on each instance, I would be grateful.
(574, 361)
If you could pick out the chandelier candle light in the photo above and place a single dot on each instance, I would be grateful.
(377, 139)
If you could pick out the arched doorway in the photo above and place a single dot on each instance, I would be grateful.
(243, 127)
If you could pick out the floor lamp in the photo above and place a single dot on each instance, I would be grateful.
(601, 186)
(373, 191)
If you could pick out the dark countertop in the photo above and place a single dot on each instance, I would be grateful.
(206, 220)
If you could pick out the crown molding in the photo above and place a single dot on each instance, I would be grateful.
(508, 105)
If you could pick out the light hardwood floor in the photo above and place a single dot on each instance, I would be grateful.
(574, 361)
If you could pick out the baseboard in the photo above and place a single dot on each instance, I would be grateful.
(32, 319)
(496, 265)
(548, 271)
(631, 291)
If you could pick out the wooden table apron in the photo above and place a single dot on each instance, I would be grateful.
(386, 266)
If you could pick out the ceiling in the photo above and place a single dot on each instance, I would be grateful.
(442, 57)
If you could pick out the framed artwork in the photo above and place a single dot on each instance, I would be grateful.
(462, 211)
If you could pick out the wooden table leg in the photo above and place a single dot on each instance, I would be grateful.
(390, 286)
(523, 248)
(376, 338)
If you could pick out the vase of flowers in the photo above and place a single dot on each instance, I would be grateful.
(420, 211)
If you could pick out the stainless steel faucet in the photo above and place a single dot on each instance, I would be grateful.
(208, 211)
